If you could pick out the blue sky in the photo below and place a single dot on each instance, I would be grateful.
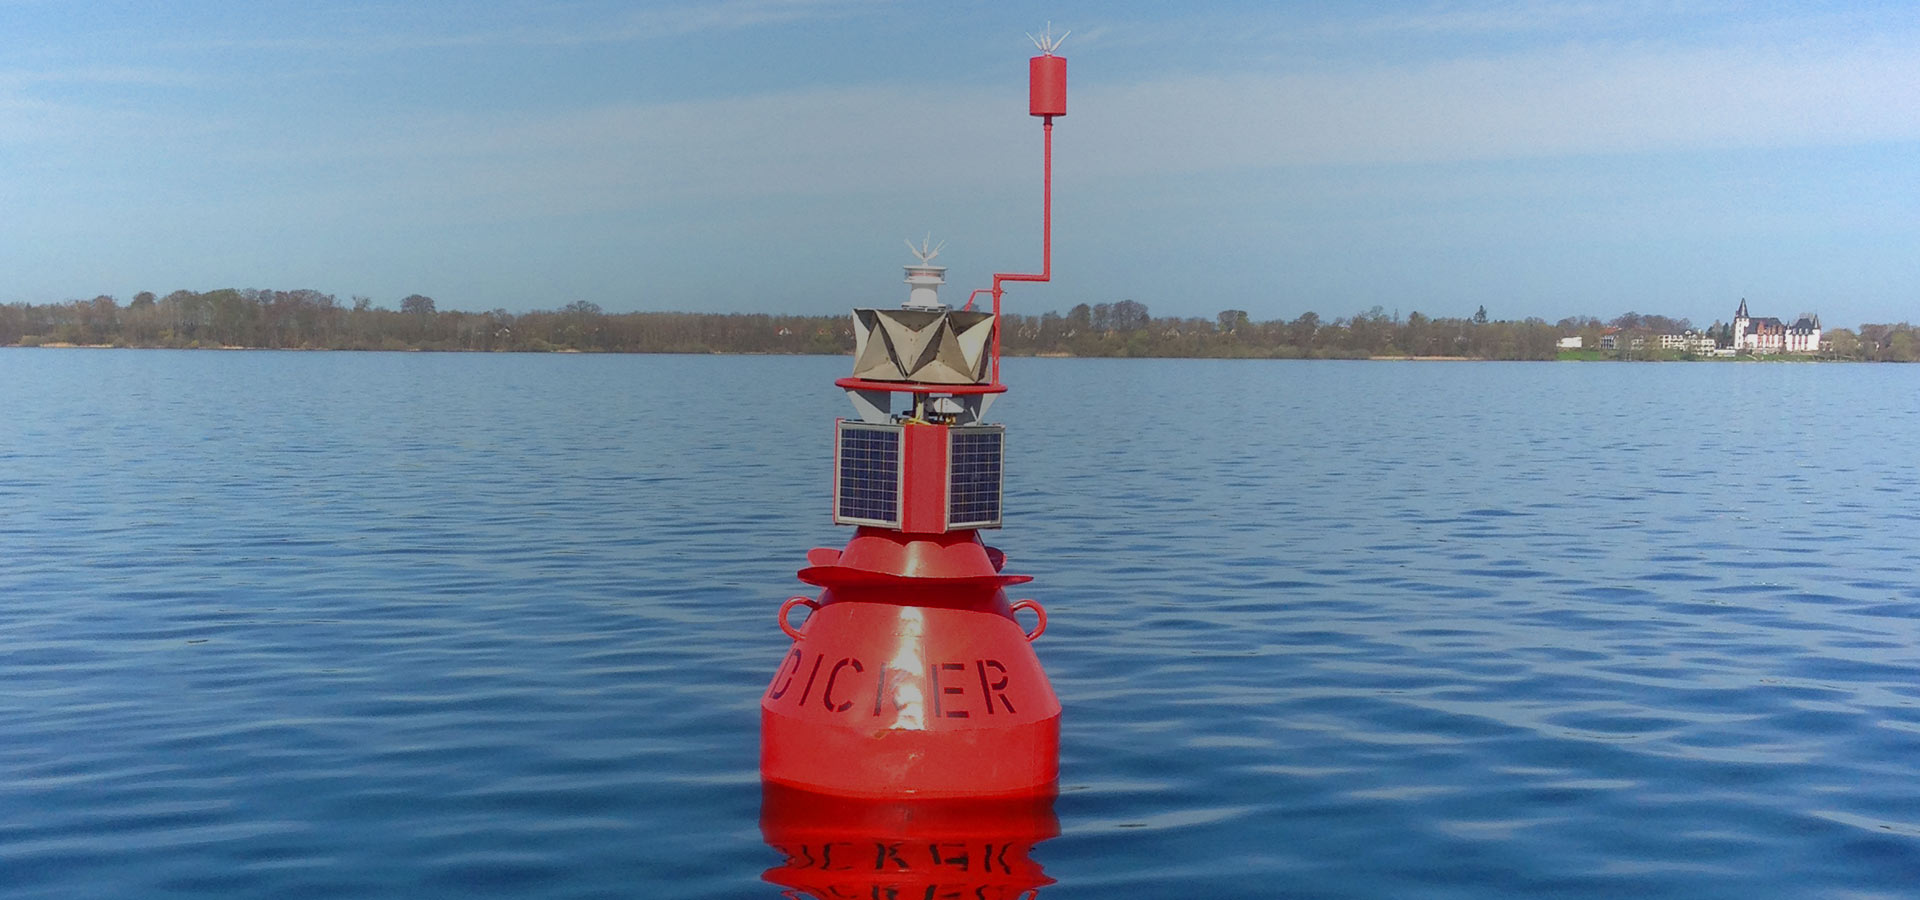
(1540, 158)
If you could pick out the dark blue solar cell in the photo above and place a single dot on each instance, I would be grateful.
(869, 475)
(974, 477)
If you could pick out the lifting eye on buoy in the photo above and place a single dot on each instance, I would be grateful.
(788, 607)
(912, 676)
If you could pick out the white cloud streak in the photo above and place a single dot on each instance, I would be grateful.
(1484, 18)
(643, 24)
(1573, 102)
(1570, 101)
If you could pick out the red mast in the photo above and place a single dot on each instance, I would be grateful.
(911, 677)
(1046, 98)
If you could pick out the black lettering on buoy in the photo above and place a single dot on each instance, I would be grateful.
(826, 693)
(776, 693)
(957, 860)
(1001, 857)
(997, 689)
(826, 856)
(933, 681)
(799, 859)
(883, 852)
(808, 690)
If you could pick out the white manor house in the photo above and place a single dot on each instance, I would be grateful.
(1770, 335)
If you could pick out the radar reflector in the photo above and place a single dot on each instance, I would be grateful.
(929, 346)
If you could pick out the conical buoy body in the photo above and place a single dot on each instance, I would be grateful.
(911, 678)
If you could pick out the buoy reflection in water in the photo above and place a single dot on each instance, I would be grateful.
(838, 848)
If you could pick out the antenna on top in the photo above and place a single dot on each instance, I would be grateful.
(1047, 43)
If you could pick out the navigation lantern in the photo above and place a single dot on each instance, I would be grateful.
(913, 675)
(925, 279)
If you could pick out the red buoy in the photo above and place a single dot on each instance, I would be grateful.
(913, 675)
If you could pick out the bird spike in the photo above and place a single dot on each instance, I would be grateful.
(922, 252)
(1047, 43)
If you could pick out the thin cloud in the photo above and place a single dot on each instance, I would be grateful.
(1566, 103)
(109, 75)
(638, 25)
(26, 117)
(1508, 18)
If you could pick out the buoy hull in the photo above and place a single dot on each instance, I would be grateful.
(888, 700)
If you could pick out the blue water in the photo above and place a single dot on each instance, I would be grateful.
(412, 625)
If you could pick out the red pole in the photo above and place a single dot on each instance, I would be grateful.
(1046, 244)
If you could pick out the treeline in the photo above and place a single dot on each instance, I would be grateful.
(1126, 329)
(306, 319)
(310, 320)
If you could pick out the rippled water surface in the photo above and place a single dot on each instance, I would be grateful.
(408, 625)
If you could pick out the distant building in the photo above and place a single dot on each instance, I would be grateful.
(1770, 335)
(1803, 336)
(1571, 343)
(1689, 342)
(1615, 339)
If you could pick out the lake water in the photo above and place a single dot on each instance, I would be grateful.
(414, 625)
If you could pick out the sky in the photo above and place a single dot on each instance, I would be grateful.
(1549, 159)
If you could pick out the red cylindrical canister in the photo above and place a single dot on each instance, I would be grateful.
(1047, 86)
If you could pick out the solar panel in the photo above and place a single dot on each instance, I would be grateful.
(974, 477)
(867, 475)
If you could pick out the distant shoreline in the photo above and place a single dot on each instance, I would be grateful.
(1767, 358)
(230, 318)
